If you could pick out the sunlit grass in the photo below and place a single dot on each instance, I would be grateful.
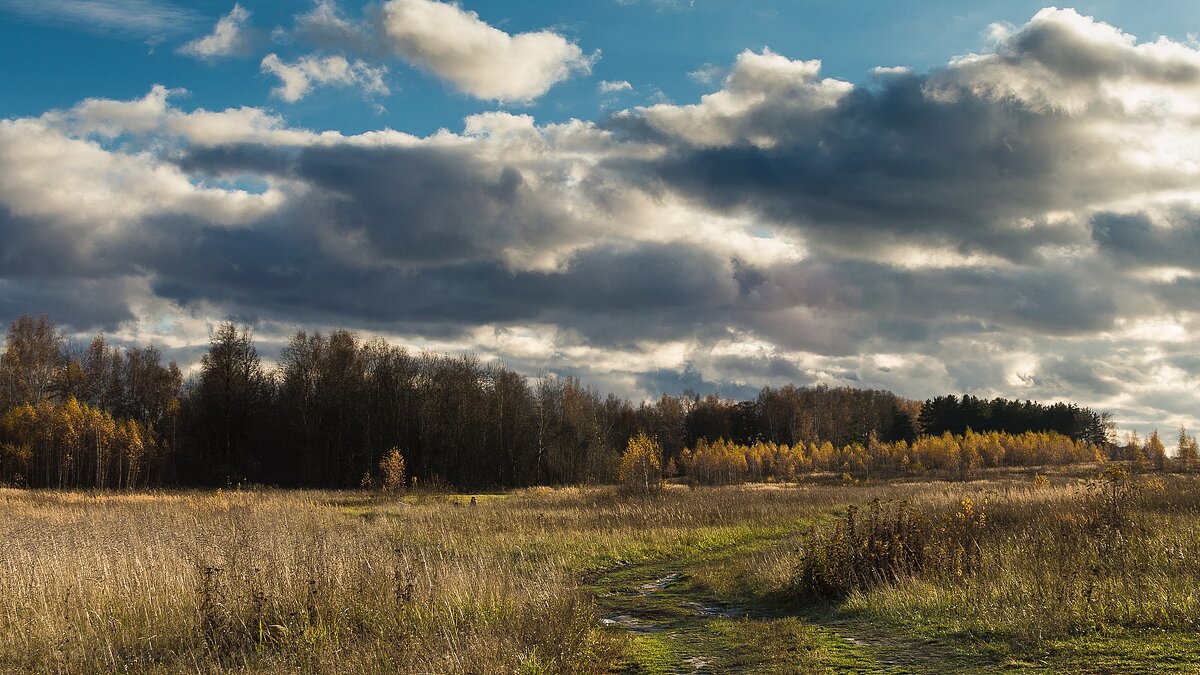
(269, 581)
(353, 582)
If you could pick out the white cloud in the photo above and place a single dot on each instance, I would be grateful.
(99, 193)
(478, 59)
(757, 81)
(298, 79)
(108, 118)
(1061, 60)
(614, 86)
(230, 37)
(153, 121)
(707, 74)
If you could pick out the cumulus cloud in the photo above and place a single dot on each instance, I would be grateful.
(230, 37)
(1019, 222)
(479, 59)
(298, 79)
(1063, 60)
(450, 42)
(999, 168)
(758, 81)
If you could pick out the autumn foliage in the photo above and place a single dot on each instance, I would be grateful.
(391, 471)
(73, 444)
(641, 467)
(724, 463)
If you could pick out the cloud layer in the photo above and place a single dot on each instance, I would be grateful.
(148, 18)
(1019, 222)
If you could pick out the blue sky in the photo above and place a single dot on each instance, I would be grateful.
(48, 59)
(648, 195)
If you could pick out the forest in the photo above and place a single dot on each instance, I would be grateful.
(98, 415)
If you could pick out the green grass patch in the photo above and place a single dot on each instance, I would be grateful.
(1125, 652)
(786, 645)
(649, 655)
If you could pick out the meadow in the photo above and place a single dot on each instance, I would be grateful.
(1079, 569)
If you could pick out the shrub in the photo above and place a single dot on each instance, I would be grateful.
(885, 542)
(868, 547)
(1112, 497)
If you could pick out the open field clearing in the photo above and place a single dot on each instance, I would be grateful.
(1062, 572)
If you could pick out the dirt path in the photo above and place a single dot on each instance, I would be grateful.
(675, 626)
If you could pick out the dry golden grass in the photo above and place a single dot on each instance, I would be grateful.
(337, 582)
(293, 581)
(1063, 560)
(268, 581)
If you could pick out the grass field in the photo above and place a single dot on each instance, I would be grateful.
(1069, 572)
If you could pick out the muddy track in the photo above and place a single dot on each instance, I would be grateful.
(675, 626)
(657, 606)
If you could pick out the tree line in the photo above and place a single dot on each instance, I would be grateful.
(726, 463)
(956, 415)
(334, 405)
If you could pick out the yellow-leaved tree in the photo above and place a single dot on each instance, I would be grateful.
(641, 466)
(391, 469)
(1156, 450)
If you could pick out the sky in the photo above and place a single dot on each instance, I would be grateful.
(931, 197)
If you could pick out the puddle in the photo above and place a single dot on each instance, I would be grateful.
(660, 584)
(629, 623)
(714, 611)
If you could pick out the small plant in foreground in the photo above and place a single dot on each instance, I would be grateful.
(1113, 493)
(870, 546)
(887, 541)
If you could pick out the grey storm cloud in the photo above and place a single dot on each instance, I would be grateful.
(91, 303)
(430, 206)
(600, 289)
(1073, 372)
(1137, 239)
(985, 226)
(674, 382)
(892, 163)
